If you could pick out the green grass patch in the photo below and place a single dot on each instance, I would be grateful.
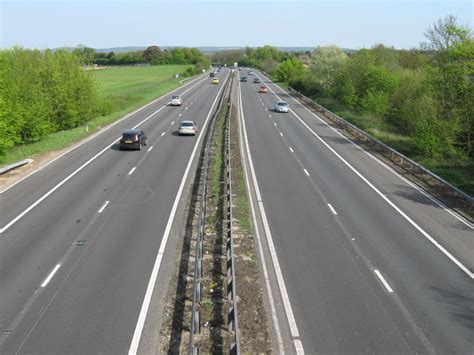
(124, 89)
(217, 165)
(241, 201)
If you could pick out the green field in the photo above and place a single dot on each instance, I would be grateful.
(123, 90)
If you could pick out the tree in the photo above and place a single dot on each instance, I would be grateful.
(290, 70)
(85, 54)
(326, 62)
(151, 53)
(453, 57)
(444, 34)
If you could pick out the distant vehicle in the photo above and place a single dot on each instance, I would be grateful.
(215, 81)
(243, 79)
(187, 128)
(236, 65)
(263, 89)
(282, 106)
(256, 80)
(176, 100)
(251, 73)
(212, 74)
(133, 139)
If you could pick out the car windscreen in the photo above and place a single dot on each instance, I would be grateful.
(174, 97)
(282, 104)
(129, 136)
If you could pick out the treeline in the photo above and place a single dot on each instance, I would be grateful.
(153, 55)
(426, 94)
(42, 92)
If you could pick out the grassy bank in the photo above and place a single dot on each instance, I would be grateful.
(123, 89)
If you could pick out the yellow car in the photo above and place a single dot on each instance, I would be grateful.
(215, 81)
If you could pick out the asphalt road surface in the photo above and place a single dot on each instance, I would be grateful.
(361, 260)
(83, 257)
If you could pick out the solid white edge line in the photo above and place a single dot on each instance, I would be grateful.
(419, 189)
(62, 182)
(276, 265)
(74, 147)
(50, 276)
(332, 209)
(131, 171)
(156, 267)
(149, 149)
(103, 207)
(385, 283)
(306, 171)
(298, 346)
(281, 349)
(378, 192)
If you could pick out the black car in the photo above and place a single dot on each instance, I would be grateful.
(133, 139)
(256, 80)
(243, 79)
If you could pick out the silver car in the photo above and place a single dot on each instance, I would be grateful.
(187, 128)
(282, 106)
(176, 100)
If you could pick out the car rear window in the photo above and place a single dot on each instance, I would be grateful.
(186, 124)
(129, 136)
(174, 97)
(282, 104)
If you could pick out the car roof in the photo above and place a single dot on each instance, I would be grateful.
(187, 121)
(281, 103)
(132, 131)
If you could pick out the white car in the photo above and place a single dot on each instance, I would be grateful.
(282, 106)
(187, 128)
(176, 100)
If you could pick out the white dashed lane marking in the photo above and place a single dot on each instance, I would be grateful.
(103, 207)
(384, 282)
(50, 276)
(332, 209)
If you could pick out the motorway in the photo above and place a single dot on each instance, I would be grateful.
(87, 243)
(360, 260)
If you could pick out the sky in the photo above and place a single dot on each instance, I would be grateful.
(122, 23)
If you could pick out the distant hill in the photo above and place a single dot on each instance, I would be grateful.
(208, 50)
